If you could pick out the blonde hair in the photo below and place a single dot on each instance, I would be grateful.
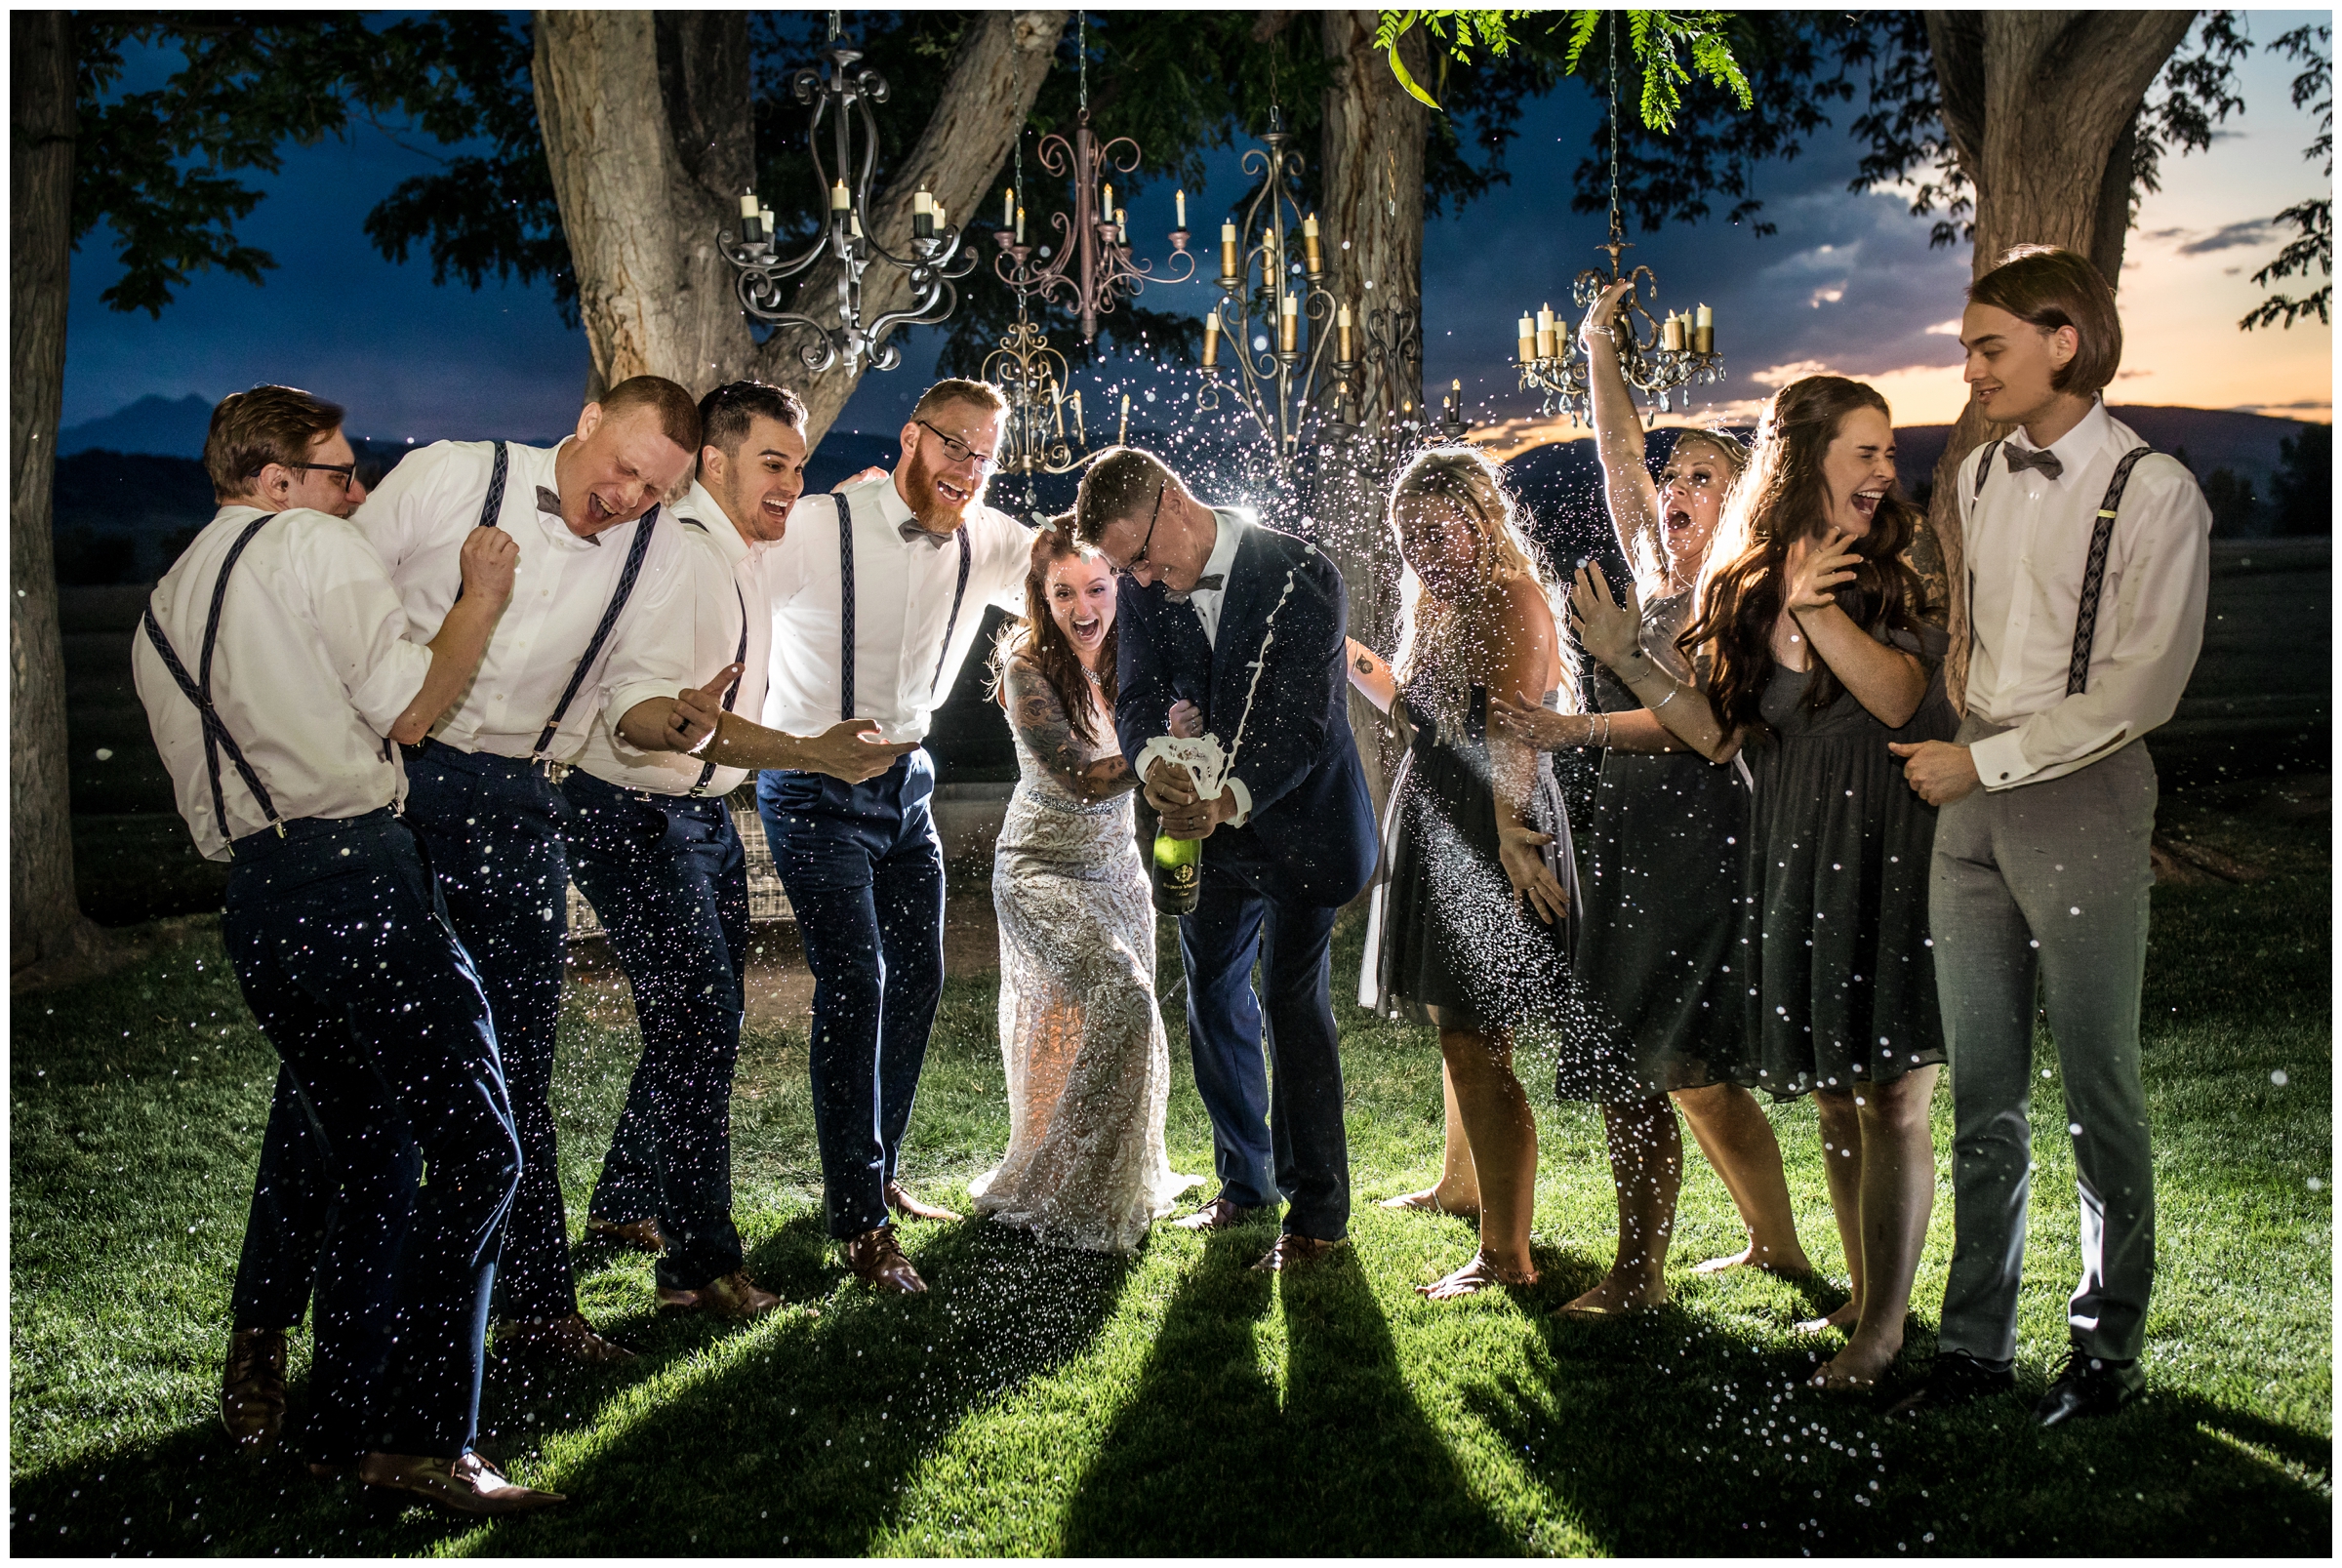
(1467, 479)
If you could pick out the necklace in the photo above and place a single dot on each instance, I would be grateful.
(1095, 679)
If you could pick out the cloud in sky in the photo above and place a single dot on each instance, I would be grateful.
(1848, 283)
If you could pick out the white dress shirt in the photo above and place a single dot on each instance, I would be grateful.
(417, 520)
(2028, 544)
(725, 573)
(902, 601)
(311, 669)
(1231, 523)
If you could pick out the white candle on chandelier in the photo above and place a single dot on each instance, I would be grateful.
(943, 219)
(766, 219)
(1342, 325)
(1211, 338)
(924, 216)
(1544, 339)
(748, 205)
(1703, 331)
(839, 200)
(1179, 203)
(1008, 208)
(1288, 324)
(1545, 318)
(1529, 339)
(1078, 432)
(1309, 244)
(1121, 218)
(1106, 203)
(1020, 225)
(1228, 249)
(1671, 335)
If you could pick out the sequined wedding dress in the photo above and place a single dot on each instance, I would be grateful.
(1089, 1070)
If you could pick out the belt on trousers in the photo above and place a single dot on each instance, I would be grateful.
(479, 763)
(691, 805)
(273, 840)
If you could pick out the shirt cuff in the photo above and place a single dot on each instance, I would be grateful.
(2000, 760)
(392, 685)
(1235, 787)
(622, 698)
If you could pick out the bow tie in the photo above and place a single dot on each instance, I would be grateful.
(550, 504)
(2019, 462)
(914, 532)
(1209, 582)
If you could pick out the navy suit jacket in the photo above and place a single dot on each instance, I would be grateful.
(1310, 837)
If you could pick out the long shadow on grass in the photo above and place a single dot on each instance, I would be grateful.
(1202, 1458)
(1664, 1435)
(798, 1435)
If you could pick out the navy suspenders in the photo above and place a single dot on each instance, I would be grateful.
(2093, 573)
(845, 608)
(740, 656)
(199, 690)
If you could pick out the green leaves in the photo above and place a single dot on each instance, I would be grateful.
(1659, 42)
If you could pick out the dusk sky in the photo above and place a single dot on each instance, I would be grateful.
(1849, 285)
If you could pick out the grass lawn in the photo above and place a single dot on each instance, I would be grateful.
(1041, 1401)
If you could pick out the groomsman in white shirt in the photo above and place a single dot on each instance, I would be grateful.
(275, 670)
(875, 601)
(2087, 561)
(599, 627)
(652, 844)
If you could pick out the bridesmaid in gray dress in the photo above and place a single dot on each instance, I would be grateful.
(1815, 658)
(1660, 876)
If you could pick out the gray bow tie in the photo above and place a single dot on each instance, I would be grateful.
(1209, 582)
(914, 531)
(2019, 462)
(550, 504)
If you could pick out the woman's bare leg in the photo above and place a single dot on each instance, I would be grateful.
(1842, 1157)
(1502, 1133)
(1737, 1137)
(1646, 1165)
(1898, 1192)
(1458, 1190)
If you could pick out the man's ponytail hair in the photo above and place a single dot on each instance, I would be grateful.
(2053, 288)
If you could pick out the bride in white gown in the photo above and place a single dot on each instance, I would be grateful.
(1089, 1070)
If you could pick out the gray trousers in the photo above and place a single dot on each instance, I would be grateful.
(2046, 883)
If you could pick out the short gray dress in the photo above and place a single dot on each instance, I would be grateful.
(1443, 931)
(1837, 872)
(1659, 876)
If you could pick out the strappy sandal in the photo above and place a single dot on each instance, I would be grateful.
(1473, 1277)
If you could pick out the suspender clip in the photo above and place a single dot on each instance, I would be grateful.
(554, 772)
(280, 828)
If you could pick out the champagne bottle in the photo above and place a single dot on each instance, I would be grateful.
(1178, 872)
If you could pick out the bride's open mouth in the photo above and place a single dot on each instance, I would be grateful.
(1677, 519)
(1088, 630)
(1866, 502)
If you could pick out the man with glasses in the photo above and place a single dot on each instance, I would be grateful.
(875, 605)
(1245, 625)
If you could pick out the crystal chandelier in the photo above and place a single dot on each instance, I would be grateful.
(1674, 354)
(934, 258)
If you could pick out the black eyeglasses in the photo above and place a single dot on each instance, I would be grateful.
(1140, 559)
(955, 449)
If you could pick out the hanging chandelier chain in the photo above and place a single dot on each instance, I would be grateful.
(1082, 55)
(836, 26)
(1615, 228)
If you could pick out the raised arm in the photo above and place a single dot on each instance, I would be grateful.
(1887, 681)
(1370, 675)
(1614, 635)
(1626, 487)
(487, 561)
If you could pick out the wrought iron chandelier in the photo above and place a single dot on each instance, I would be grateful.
(1675, 354)
(1090, 267)
(844, 97)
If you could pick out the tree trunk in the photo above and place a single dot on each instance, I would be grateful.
(1371, 147)
(647, 121)
(45, 919)
(2042, 108)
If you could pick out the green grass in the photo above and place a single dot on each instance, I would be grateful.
(1041, 1401)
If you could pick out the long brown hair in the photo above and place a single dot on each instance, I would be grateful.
(1781, 497)
(1039, 638)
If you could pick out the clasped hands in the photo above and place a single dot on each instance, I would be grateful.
(1170, 790)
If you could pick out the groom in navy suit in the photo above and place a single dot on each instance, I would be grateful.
(1246, 623)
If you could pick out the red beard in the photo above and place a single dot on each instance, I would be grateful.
(935, 512)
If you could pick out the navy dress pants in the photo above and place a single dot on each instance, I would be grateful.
(347, 959)
(1276, 1124)
(492, 826)
(864, 870)
(293, 1209)
(667, 878)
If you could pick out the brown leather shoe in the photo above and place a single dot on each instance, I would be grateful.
(643, 1235)
(876, 1259)
(466, 1485)
(733, 1296)
(1294, 1251)
(1218, 1215)
(251, 1388)
(911, 1208)
(570, 1339)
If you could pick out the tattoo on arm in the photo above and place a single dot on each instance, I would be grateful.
(1041, 722)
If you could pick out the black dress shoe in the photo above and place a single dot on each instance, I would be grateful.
(2086, 1385)
(1955, 1378)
